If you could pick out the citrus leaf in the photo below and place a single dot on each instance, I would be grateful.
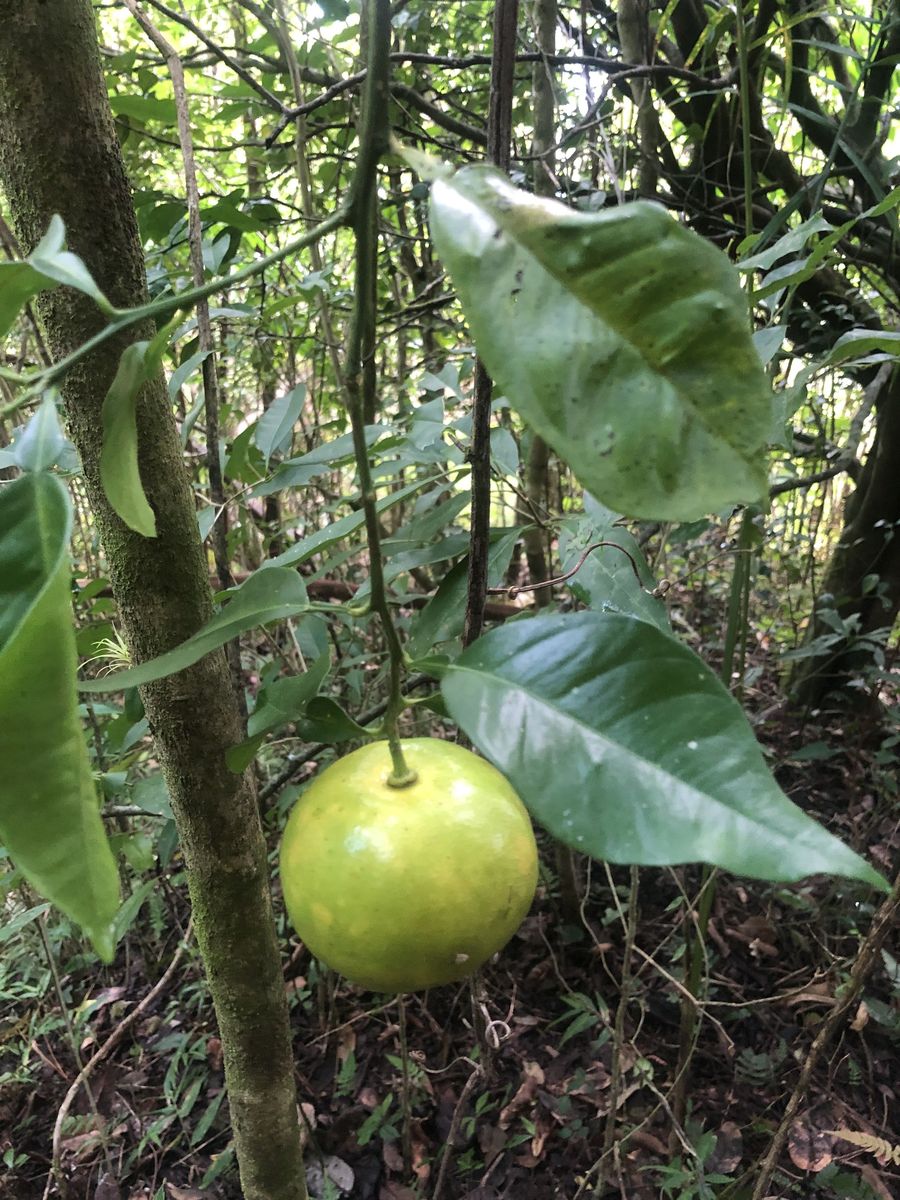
(326, 721)
(322, 539)
(48, 265)
(52, 259)
(280, 702)
(606, 579)
(49, 816)
(119, 456)
(443, 616)
(621, 336)
(41, 442)
(270, 594)
(625, 745)
(863, 341)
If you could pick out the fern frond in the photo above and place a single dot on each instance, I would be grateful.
(885, 1152)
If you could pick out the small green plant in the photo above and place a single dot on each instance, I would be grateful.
(379, 1124)
(686, 1178)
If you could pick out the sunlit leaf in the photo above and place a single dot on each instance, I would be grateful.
(49, 265)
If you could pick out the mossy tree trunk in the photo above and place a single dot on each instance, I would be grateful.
(59, 153)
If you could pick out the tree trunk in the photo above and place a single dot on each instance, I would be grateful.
(59, 153)
(869, 547)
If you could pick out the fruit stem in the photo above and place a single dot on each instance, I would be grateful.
(361, 382)
(402, 775)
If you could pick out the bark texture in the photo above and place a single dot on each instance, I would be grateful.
(59, 153)
(869, 545)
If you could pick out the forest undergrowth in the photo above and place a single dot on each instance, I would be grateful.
(506, 1087)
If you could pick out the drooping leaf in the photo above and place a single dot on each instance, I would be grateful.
(119, 471)
(625, 745)
(49, 816)
(640, 371)
(274, 427)
(270, 594)
(41, 442)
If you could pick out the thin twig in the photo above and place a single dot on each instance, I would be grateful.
(503, 53)
(108, 1046)
(883, 923)
(512, 592)
(464, 1095)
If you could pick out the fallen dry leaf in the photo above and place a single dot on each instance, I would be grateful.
(107, 1189)
(729, 1150)
(810, 1149)
(533, 1078)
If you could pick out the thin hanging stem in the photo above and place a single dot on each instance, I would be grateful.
(503, 59)
(162, 309)
(360, 379)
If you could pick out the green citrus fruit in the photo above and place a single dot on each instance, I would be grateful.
(406, 888)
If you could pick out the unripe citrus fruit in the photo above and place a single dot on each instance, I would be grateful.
(406, 888)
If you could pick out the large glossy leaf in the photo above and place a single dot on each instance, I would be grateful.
(625, 745)
(621, 336)
(270, 594)
(49, 816)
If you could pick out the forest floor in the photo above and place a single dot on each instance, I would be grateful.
(562, 1072)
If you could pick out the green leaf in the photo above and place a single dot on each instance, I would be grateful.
(859, 342)
(606, 579)
(119, 471)
(127, 914)
(625, 745)
(295, 472)
(48, 265)
(276, 424)
(504, 451)
(270, 594)
(51, 259)
(41, 442)
(621, 336)
(324, 538)
(280, 702)
(49, 816)
(443, 616)
(144, 108)
(326, 721)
